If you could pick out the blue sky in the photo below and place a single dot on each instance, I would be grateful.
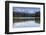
(26, 9)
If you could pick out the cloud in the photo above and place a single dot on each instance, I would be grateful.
(26, 9)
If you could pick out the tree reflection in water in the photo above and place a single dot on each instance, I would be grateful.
(36, 19)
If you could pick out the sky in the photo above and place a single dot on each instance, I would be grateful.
(26, 9)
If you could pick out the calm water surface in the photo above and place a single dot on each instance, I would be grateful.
(29, 23)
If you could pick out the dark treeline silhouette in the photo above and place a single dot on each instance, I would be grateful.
(19, 14)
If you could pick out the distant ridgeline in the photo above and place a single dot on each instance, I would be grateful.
(21, 14)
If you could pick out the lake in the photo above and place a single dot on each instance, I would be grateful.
(31, 22)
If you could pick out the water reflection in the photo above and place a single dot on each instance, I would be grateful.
(36, 19)
(30, 22)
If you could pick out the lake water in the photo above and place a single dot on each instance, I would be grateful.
(29, 23)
